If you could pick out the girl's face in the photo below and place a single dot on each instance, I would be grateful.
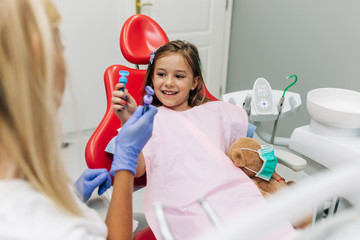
(173, 80)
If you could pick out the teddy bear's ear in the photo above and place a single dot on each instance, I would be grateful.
(237, 156)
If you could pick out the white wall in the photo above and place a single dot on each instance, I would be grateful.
(317, 40)
(90, 32)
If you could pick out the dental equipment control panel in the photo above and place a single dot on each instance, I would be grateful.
(263, 100)
(262, 103)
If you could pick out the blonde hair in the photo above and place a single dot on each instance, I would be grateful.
(191, 56)
(29, 58)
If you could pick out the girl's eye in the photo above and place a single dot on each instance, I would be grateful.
(161, 74)
(179, 76)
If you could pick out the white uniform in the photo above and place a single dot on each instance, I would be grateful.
(26, 213)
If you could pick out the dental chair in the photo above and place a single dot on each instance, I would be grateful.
(140, 36)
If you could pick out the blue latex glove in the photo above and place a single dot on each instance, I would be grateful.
(91, 179)
(131, 139)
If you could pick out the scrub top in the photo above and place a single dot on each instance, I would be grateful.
(25, 213)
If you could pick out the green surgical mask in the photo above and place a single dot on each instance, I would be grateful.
(266, 153)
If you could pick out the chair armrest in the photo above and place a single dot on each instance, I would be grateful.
(290, 160)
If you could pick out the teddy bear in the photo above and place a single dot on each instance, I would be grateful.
(246, 159)
(240, 152)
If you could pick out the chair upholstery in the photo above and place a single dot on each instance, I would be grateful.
(145, 234)
(139, 37)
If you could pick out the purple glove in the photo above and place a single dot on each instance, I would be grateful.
(91, 179)
(131, 139)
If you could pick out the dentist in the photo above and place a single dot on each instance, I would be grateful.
(36, 200)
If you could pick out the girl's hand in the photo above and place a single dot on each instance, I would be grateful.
(124, 104)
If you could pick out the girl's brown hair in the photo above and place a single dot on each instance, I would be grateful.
(191, 57)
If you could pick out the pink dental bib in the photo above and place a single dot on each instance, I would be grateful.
(186, 160)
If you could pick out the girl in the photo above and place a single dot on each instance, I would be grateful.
(185, 158)
(36, 201)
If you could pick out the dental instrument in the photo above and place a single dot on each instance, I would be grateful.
(148, 98)
(123, 79)
(279, 107)
(247, 104)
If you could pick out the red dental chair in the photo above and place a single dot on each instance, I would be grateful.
(140, 36)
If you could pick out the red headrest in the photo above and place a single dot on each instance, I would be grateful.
(140, 36)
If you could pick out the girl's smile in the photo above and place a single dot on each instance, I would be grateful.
(169, 93)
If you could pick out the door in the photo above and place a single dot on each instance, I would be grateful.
(205, 23)
(90, 31)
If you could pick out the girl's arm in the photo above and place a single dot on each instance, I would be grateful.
(119, 217)
(141, 168)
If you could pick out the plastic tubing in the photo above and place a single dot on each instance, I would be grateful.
(291, 76)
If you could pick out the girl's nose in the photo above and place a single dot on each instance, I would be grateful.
(169, 82)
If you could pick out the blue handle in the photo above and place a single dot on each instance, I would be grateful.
(123, 79)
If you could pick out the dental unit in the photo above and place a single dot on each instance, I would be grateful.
(333, 136)
(330, 142)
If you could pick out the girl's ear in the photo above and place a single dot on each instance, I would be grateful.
(195, 83)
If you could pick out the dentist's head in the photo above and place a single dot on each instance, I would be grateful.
(32, 79)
